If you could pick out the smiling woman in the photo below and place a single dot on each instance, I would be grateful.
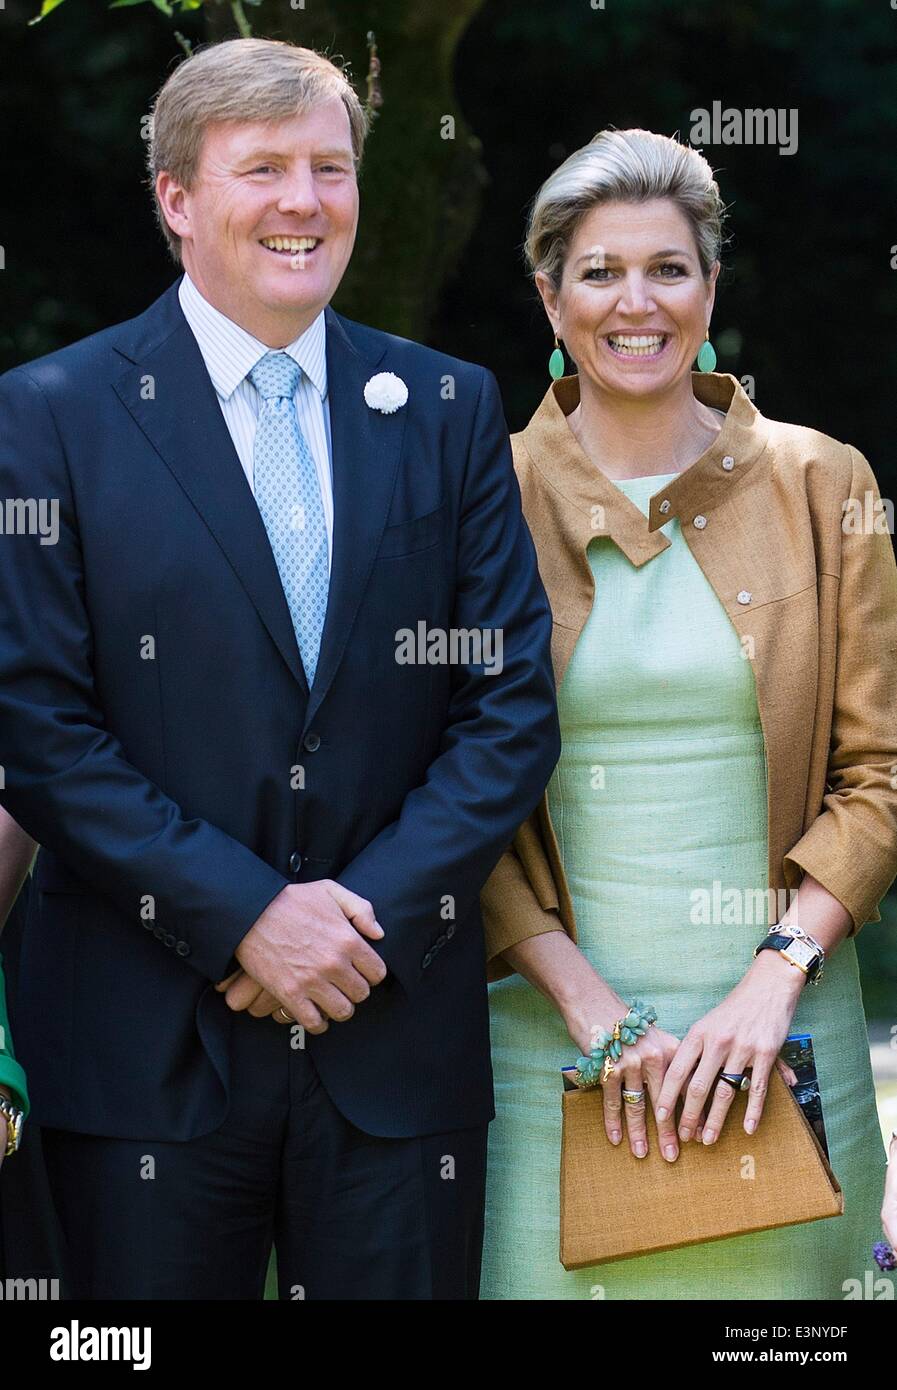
(696, 567)
(633, 306)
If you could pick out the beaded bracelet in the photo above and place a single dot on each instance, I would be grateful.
(595, 1069)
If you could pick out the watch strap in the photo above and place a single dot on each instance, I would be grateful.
(777, 941)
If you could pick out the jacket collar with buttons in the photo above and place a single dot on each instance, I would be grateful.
(695, 493)
(569, 502)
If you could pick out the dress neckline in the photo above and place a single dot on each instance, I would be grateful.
(645, 478)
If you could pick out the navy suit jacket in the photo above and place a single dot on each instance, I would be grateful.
(156, 727)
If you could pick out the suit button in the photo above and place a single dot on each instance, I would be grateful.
(158, 933)
(728, 463)
(169, 939)
(700, 522)
(311, 742)
(426, 960)
(440, 941)
(664, 506)
(745, 596)
(450, 931)
(182, 948)
(295, 862)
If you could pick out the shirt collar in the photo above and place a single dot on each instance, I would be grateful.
(230, 352)
(694, 493)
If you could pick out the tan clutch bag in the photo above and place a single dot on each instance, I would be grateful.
(614, 1205)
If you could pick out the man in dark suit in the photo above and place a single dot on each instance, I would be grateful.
(275, 693)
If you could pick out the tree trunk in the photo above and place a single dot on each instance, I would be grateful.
(421, 174)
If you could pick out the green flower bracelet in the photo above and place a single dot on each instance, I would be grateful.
(593, 1070)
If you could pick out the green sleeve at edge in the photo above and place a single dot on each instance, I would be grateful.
(11, 1073)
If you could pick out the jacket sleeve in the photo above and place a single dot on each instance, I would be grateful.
(519, 899)
(851, 847)
(68, 781)
(501, 738)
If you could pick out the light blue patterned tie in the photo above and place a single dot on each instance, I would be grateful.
(289, 499)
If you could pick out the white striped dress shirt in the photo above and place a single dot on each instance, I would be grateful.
(229, 353)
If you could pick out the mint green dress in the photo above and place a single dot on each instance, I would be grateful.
(661, 788)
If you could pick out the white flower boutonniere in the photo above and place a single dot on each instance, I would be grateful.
(386, 392)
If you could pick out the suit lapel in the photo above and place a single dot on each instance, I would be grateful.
(366, 446)
(168, 392)
(170, 395)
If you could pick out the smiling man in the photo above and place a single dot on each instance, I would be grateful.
(252, 1002)
(264, 214)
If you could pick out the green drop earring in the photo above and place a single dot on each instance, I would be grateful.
(556, 361)
(707, 355)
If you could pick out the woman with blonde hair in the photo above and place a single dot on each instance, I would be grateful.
(724, 648)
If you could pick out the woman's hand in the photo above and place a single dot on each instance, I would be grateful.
(586, 1002)
(744, 1032)
(641, 1067)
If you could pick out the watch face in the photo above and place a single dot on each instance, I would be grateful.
(801, 952)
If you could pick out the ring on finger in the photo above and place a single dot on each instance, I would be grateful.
(282, 1016)
(738, 1080)
(633, 1097)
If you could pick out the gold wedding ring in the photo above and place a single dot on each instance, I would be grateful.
(284, 1016)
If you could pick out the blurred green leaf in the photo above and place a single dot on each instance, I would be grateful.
(45, 9)
(122, 4)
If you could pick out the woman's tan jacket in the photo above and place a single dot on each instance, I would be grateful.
(788, 528)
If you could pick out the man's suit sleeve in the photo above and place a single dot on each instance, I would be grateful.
(63, 776)
(500, 742)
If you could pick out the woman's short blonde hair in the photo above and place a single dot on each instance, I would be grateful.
(240, 80)
(625, 166)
